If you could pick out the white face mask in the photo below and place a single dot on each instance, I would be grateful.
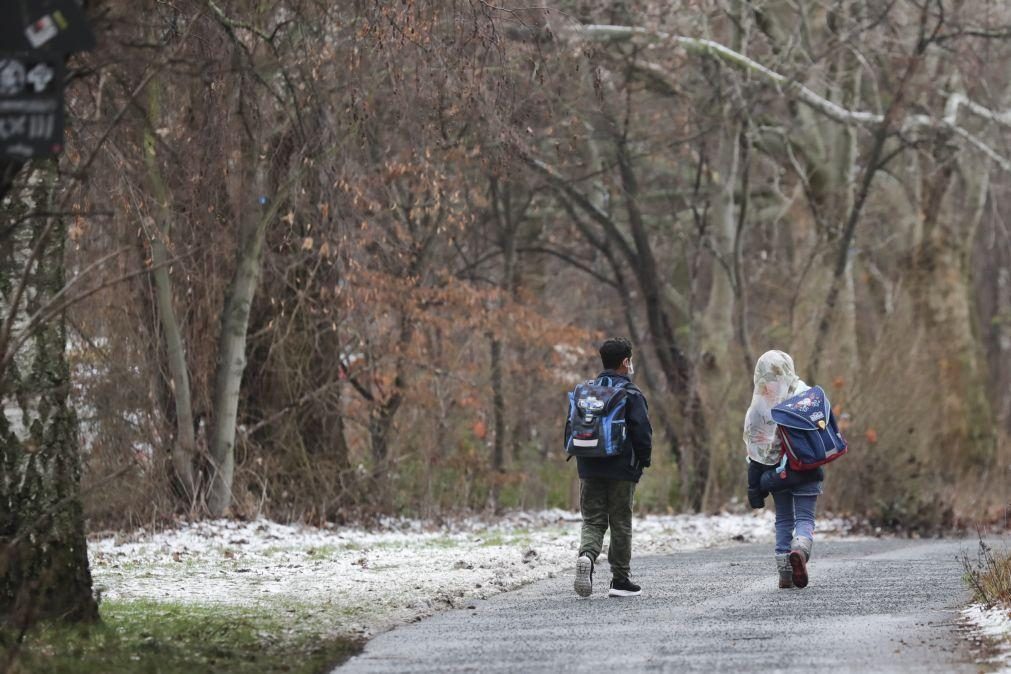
(631, 368)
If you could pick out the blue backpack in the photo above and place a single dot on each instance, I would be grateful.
(808, 430)
(596, 426)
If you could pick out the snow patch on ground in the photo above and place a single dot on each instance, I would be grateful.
(991, 625)
(355, 581)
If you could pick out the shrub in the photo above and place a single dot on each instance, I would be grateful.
(989, 574)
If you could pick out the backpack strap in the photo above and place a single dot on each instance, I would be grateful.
(781, 469)
(621, 383)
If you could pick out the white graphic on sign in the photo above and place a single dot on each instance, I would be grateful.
(41, 126)
(38, 106)
(42, 31)
(13, 126)
(12, 77)
(40, 76)
(19, 150)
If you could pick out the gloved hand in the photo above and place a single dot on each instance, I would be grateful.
(756, 494)
(756, 498)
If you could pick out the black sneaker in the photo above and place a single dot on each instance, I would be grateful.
(584, 576)
(624, 588)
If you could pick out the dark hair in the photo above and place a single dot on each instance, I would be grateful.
(613, 351)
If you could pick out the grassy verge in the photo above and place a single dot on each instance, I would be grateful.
(989, 575)
(171, 638)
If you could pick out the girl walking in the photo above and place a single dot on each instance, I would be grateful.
(776, 380)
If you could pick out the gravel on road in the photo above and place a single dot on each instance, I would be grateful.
(877, 605)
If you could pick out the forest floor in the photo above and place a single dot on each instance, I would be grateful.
(261, 596)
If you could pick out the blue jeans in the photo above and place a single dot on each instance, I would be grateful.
(794, 517)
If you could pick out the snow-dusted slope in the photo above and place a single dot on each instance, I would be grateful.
(993, 626)
(358, 581)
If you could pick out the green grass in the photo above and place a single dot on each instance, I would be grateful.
(442, 542)
(511, 539)
(492, 540)
(445, 542)
(172, 638)
(322, 552)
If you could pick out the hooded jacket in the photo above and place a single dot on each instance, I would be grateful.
(775, 380)
(638, 450)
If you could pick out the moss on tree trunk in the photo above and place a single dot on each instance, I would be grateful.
(44, 572)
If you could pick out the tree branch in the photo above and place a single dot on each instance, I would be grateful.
(568, 259)
(703, 47)
(832, 110)
(591, 209)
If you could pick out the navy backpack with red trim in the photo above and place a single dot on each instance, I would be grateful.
(808, 430)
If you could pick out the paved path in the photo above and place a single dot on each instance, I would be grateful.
(872, 606)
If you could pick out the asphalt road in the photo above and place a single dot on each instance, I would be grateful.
(872, 606)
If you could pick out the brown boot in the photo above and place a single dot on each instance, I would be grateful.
(800, 553)
(785, 572)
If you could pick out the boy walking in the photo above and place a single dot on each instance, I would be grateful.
(607, 482)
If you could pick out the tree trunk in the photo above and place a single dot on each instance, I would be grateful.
(232, 343)
(678, 368)
(939, 283)
(184, 447)
(9, 168)
(380, 426)
(382, 414)
(498, 415)
(43, 554)
(507, 223)
(718, 320)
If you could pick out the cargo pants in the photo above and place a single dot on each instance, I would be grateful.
(603, 504)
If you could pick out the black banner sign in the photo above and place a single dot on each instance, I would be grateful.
(31, 105)
(57, 26)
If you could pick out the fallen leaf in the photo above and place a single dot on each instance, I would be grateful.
(480, 429)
